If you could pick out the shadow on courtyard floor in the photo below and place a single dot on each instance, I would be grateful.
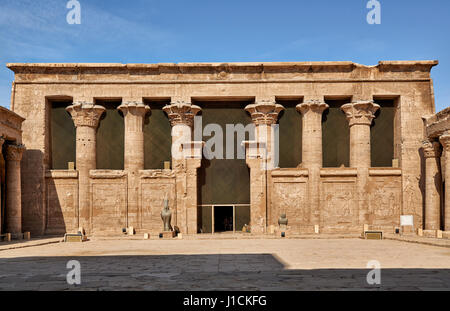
(203, 272)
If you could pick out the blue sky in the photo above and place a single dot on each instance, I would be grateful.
(146, 31)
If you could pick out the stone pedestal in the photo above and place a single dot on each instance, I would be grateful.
(185, 162)
(13, 211)
(312, 158)
(86, 118)
(445, 141)
(134, 114)
(360, 115)
(431, 152)
(261, 158)
(168, 234)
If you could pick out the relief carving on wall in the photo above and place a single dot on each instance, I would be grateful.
(338, 203)
(152, 197)
(61, 207)
(108, 206)
(385, 201)
(289, 198)
(157, 173)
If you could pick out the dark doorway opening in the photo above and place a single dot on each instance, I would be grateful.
(223, 218)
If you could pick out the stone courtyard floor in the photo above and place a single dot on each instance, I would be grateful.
(226, 264)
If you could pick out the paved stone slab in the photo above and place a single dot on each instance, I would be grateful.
(260, 264)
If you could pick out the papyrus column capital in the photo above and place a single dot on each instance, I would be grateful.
(314, 105)
(14, 152)
(431, 149)
(360, 112)
(445, 141)
(134, 108)
(264, 112)
(85, 114)
(181, 113)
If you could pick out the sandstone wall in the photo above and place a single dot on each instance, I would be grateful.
(408, 83)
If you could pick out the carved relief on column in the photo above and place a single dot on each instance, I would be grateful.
(264, 112)
(360, 115)
(134, 114)
(445, 141)
(85, 114)
(181, 113)
(260, 154)
(312, 159)
(14, 152)
(431, 149)
(311, 111)
(13, 211)
(432, 152)
(360, 112)
(314, 105)
(186, 159)
(86, 117)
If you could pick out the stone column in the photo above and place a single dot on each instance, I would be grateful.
(181, 115)
(431, 152)
(13, 190)
(134, 114)
(360, 115)
(311, 111)
(264, 115)
(86, 118)
(312, 159)
(260, 156)
(445, 141)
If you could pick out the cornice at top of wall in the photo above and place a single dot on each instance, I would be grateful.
(338, 66)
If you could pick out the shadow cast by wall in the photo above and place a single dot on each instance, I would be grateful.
(203, 272)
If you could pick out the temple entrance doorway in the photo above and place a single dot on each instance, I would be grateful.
(223, 218)
(224, 177)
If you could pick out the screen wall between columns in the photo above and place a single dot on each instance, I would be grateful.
(110, 137)
(335, 135)
(382, 134)
(290, 134)
(157, 136)
(63, 132)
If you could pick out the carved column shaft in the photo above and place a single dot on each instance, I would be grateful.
(181, 115)
(86, 118)
(445, 141)
(312, 132)
(134, 115)
(13, 190)
(360, 115)
(312, 158)
(432, 185)
(264, 114)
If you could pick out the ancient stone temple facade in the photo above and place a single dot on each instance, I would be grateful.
(107, 143)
